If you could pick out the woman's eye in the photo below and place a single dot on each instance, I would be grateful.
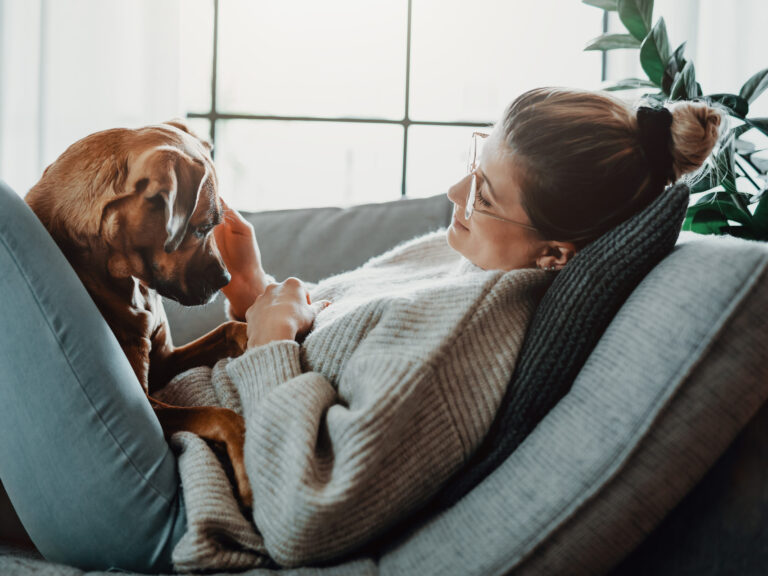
(481, 198)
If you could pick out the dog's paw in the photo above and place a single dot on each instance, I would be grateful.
(235, 434)
(237, 337)
(244, 489)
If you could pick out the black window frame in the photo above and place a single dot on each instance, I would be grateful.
(214, 115)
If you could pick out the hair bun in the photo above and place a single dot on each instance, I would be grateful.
(695, 131)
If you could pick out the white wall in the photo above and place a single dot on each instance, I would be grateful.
(71, 68)
(725, 40)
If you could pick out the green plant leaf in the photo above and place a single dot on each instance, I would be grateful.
(613, 41)
(724, 164)
(609, 5)
(636, 15)
(730, 206)
(675, 64)
(760, 217)
(737, 105)
(746, 232)
(713, 214)
(739, 130)
(705, 181)
(628, 84)
(755, 86)
(684, 85)
(654, 52)
(657, 98)
(759, 123)
(704, 221)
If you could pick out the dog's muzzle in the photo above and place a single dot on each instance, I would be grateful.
(201, 288)
(216, 277)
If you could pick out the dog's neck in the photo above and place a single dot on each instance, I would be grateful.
(112, 294)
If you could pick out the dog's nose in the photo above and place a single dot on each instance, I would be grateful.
(217, 277)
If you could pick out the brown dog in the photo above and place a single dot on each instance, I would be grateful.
(133, 211)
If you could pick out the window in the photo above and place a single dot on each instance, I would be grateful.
(308, 103)
(339, 102)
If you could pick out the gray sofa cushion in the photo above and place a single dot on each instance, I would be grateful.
(315, 243)
(674, 378)
(721, 527)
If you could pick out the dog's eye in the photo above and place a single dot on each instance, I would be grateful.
(202, 232)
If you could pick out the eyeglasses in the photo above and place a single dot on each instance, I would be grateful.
(478, 139)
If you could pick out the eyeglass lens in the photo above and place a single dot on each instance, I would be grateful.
(474, 153)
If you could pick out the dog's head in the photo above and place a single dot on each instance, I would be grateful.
(149, 196)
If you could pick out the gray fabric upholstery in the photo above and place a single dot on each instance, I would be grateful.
(721, 527)
(721, 385)
(315, 243)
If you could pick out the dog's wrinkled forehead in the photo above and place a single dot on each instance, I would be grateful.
(170, 135)
(173, 169)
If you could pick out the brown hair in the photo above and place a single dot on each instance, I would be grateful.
(581, 166)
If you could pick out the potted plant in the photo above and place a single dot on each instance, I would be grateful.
(721, 207)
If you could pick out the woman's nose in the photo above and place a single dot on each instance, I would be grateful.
(458, 192)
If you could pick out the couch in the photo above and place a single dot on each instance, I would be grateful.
(653, 463)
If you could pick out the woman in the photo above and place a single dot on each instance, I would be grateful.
(397, 380)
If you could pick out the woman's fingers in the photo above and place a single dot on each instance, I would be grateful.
(320, 305)
(234, 221)
(284, 308)
(294, 288)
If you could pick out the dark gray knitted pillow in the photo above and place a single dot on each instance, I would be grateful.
(572, 316)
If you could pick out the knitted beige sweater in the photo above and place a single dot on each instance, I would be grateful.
(356, 427)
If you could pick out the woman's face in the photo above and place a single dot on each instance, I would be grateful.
(485, 241)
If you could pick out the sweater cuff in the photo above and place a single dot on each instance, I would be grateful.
(262, 369)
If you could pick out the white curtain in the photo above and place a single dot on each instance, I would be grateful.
(71, 68)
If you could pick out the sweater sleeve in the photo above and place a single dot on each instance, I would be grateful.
(330, 472)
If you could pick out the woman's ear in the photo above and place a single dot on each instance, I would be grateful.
(556, 255)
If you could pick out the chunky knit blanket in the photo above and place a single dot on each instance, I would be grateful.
(357, 427)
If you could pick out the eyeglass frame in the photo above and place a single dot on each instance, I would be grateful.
(469, 207)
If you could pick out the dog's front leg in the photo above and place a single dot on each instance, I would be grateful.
(138, 352)
(215, 424)
(226, 341)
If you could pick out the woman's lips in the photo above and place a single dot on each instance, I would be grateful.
(459, 225)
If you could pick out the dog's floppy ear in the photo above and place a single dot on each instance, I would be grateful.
(166, 175)
(181, 125)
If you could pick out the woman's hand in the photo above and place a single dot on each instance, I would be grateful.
(283, 312)
(239, 250)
